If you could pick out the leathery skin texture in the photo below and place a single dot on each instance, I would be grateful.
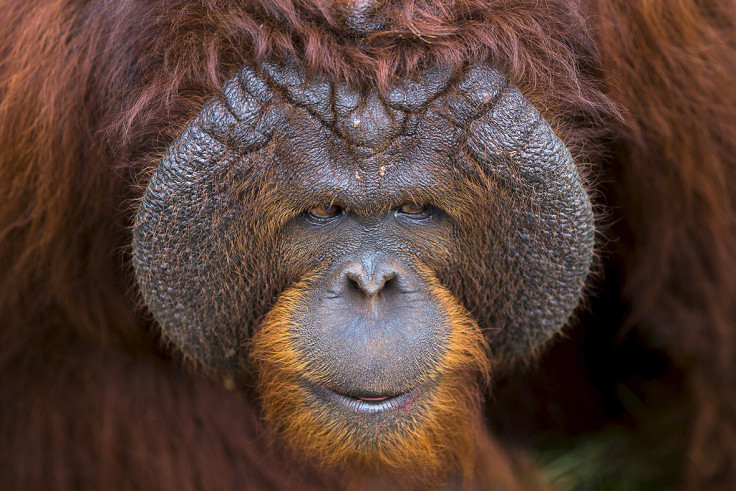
(318, 138)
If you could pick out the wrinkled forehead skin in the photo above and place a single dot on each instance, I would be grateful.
(388, 148)
(319, 141)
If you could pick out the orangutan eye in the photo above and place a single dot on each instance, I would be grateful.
(416, 211)
(324, 212)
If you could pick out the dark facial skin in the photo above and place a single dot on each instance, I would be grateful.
(370, 197)
(372, 323)
(369, 329)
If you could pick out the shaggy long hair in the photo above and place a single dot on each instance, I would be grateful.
(91, 94)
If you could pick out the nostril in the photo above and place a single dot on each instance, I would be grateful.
(390, 281)
(353, 281)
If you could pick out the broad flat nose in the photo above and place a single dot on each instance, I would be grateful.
(371, 282)
(371, 276)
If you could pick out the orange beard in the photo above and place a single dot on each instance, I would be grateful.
(435, 439)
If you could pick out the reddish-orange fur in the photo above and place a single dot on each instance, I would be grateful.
(440, 442)
(644, 94)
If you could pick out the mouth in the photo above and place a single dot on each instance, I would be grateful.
(371, 404)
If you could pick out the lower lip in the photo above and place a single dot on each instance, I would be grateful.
(373, 404)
